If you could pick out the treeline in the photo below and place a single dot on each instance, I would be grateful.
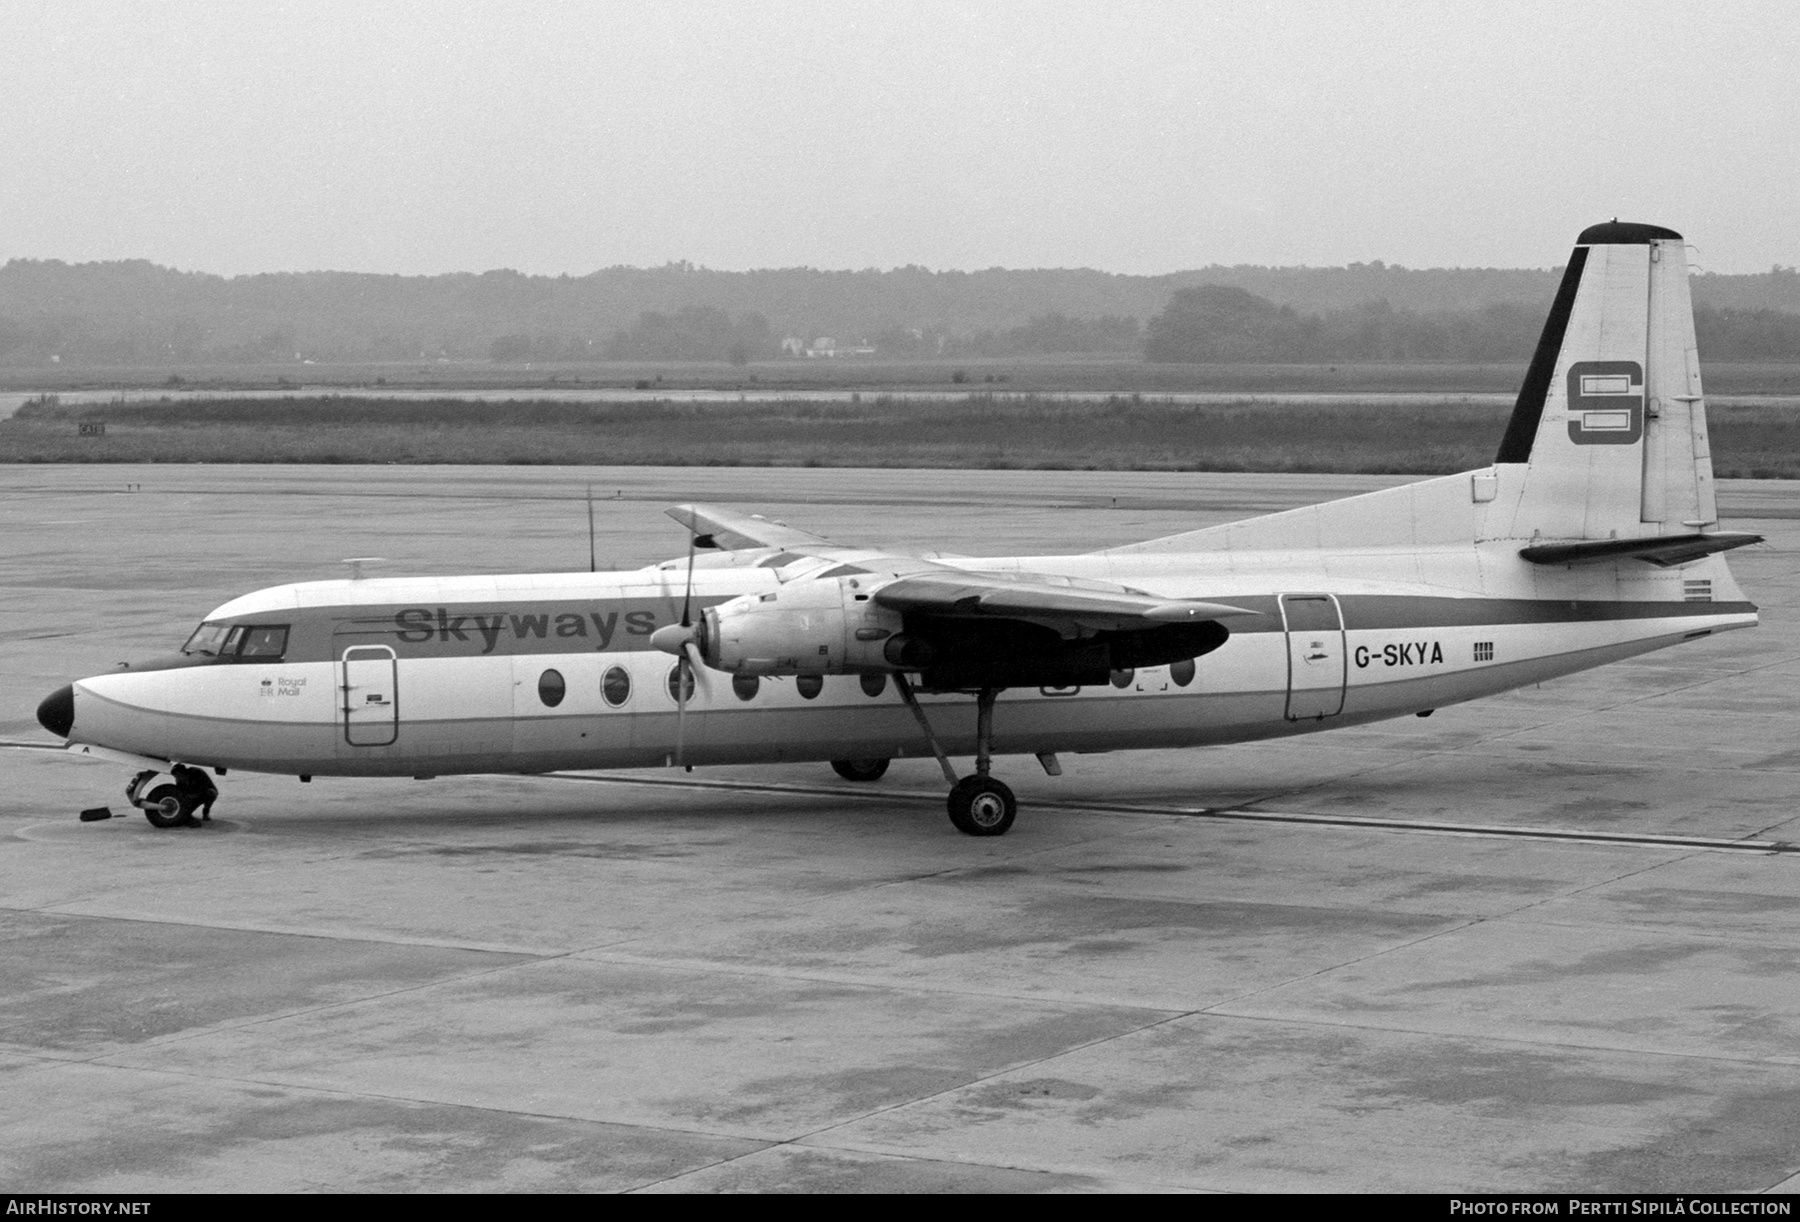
(1212, 324)
(692, 333)
(1041, 335)
(704, 333)
(1219, 323)
(136, 313)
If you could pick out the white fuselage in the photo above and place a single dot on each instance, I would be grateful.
(511, 674)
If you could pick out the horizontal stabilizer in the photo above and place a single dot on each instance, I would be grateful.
(1664, 550)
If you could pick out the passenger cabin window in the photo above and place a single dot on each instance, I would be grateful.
(615, 686)
(551, 688)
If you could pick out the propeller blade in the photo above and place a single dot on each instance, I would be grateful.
(687, 595)
(687, 667)
(680, 708)
(696, 662)
(689, 672)
(683, 676)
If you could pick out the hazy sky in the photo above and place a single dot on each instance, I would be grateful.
(1141, 137)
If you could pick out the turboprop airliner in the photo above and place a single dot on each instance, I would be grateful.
(1593, 536)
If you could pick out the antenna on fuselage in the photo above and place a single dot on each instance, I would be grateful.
(356, 563)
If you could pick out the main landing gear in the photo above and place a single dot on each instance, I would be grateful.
(860, 770)
(979, 805)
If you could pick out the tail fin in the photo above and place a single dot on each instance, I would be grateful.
(1610, 420)
(1606, 455)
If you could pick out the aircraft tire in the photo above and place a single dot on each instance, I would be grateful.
(860, 770)
(168, 807)
(982, 806)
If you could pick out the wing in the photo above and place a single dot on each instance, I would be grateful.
(734, 531)
(1071, 606)
(1074, 607)
(970, 630)
(964, 629)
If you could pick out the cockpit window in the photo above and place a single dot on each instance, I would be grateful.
(265, 642)
(207, 640)
(242, 642)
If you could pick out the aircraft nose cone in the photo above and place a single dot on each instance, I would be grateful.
(57, 713)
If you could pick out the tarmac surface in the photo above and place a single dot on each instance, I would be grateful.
(1548, 941)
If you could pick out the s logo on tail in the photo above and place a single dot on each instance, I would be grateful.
(1606, 403)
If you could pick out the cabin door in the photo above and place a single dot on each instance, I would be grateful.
(1316, 656)
(368, 683)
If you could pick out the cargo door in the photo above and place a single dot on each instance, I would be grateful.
(368, 681)
(1316, 656)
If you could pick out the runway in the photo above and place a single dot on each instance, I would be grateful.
(1548, 941)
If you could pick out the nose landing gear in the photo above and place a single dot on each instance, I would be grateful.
(166, 806)
(173, 805)
(979, 805)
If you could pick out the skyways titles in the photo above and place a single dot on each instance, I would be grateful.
(560, 630)
(450, 631)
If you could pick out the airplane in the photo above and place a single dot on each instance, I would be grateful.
(1592, 537)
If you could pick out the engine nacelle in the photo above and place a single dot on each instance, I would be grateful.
(821, 627)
